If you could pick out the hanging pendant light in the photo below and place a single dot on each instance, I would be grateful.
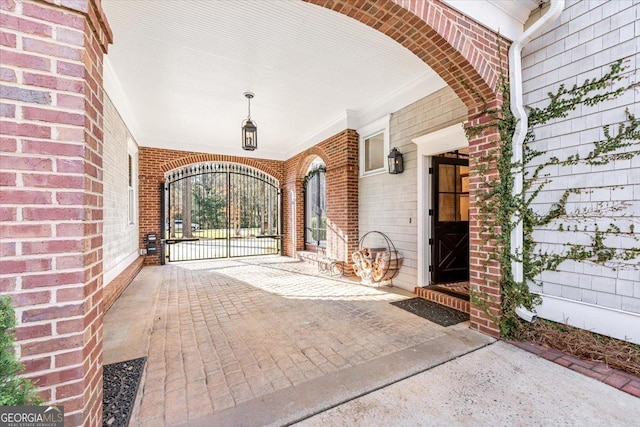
(249, 129)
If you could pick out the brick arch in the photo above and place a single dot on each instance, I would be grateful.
(309, 156)
(463, 53)
(206, 158)
(470, 59)
(154, 163)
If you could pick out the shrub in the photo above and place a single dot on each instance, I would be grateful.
(14, 389)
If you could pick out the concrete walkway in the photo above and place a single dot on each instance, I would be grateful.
(498, 385)
(269, 341)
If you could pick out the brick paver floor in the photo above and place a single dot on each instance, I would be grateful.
(228, 331)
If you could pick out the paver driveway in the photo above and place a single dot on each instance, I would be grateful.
(222, 334)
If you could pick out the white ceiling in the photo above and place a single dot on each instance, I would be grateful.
(177, 71)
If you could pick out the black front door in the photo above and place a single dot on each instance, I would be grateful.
(450, 244)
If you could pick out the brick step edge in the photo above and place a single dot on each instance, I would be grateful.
(443, 299)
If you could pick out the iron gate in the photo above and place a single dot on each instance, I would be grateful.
(220, 210)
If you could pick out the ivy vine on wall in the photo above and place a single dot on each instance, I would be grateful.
(588, 230)
(311, 174)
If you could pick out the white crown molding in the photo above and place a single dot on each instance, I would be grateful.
(332, 127)
(518, 10)
(442, 141)
(413, 91)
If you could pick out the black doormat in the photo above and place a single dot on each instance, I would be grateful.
(120, 385)
(443, 316)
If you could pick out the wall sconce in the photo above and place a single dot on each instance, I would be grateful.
(396, 162)
(249, 129)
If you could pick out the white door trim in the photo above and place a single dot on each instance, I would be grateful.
(441, 141)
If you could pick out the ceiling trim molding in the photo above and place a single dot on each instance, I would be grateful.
(411, 92)
(339, 123)
(407, 94)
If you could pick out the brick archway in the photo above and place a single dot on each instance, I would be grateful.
(340, 155)
(204, 158)
(155, 162)
(470, 59)
(304, 162)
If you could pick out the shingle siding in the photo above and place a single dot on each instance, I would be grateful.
(581, 45)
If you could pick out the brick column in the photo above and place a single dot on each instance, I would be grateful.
(340, 155)
(342, 196)
(484, 275)
(51, 202)
(293, 232)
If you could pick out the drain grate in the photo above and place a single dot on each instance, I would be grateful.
(120, 385)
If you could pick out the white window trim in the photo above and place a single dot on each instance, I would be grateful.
(132, 212)
(379, 126)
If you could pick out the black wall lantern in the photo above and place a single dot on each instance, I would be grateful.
(249, 129)
(396, 163)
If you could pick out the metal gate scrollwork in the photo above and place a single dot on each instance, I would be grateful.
(221, 210)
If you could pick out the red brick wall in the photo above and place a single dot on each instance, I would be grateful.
(484, 275)
(51, 202)
(340, 155)
(154, 162)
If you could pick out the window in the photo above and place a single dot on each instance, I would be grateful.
(374, 147)
(315, 205)
(453, 193)
(132, 189)
(374, 153)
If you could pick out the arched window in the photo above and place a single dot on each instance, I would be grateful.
(315, 205)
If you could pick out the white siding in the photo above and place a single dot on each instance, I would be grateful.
(120, 239)
(389, 203)
(588, 37)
